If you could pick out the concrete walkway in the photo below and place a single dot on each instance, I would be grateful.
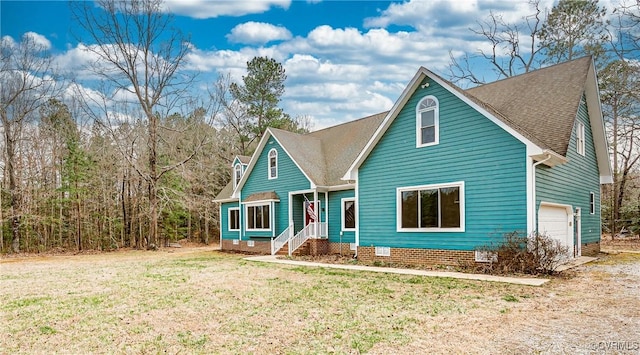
(619, 251)
(575, 262)
(529, 281)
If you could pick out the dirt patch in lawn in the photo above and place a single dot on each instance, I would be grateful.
(187, 300)
(629, 242)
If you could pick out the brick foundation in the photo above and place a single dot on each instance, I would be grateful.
(259, 247)
(340, 249)
(318, 246)
(418, 256)
(591, 249)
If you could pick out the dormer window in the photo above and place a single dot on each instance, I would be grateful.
(273, 164)
(427, 122)
(237, 175)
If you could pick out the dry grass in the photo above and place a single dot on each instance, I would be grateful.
(203, 301)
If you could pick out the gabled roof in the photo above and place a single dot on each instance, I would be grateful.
(538, 108)
(225, 195)
(546, 103)
(324, 155)
(243, 159)
(341, 145)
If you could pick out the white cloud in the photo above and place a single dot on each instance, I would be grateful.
(340, 74)
(38, 39)
(202, 9)
(258, 33)
(77, 62)
(8, 41)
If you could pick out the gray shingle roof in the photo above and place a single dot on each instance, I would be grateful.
(226, 192)
(325, 155)
(542, 104)
(262, 196)
(244, 159)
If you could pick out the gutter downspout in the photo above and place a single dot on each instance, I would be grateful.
(533, 187)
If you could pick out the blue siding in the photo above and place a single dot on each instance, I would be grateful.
(490, 161)
(572, 183)
(290, 178)
(224, 221)
(335, 217)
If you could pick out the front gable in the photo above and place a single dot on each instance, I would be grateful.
(487, 162)
(424, 79)
(260, 161)
(288, 176)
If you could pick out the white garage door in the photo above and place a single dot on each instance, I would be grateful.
(556, 222)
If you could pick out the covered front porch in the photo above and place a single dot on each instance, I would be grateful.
(308, 211)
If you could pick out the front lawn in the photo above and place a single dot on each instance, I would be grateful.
(204, 301)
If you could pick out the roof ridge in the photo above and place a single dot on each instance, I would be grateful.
(535, 71)
(347, 122)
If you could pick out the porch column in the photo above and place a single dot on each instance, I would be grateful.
(315, 207)
(326, 213)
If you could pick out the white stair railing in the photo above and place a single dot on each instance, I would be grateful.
(281, 240)
(301, 237)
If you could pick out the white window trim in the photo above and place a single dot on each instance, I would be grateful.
(273, 150)
(580, 139)
(399, 190)
(436, 121)
(229, 219)
(235, 169)
(246, 219)
(342, 210)
(592, 203)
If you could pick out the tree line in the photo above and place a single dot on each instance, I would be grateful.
(134, 160)
(575, 28)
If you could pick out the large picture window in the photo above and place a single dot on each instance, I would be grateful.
(258, 217)
(427, 122)
(431, 208)
(348, 214)
(234, 219)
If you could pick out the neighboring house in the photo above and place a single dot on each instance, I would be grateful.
(446, 171)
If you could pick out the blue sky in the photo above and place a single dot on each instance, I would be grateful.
(344, 59)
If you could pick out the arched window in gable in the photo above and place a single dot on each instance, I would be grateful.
(427, 122)
(273, 164)
(237, 175)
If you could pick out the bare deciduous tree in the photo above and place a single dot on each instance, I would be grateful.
(26, 74)
(510, 54)
(139, 57)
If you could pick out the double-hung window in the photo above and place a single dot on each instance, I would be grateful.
(348, 214)
(427, 122)
(580, 138)
(237, 175)
(258, 217)
(273, 164)
(431, 208)
(234, 219)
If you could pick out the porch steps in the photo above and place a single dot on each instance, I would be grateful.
(304, 249)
